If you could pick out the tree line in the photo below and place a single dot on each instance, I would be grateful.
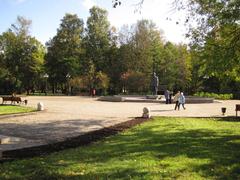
(96, 55)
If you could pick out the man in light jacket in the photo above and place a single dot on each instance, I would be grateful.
(175, 99)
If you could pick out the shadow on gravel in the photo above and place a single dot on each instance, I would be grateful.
(73, 142)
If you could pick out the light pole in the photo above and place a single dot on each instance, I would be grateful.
(68, 76)
(124, 77)
(45, 76)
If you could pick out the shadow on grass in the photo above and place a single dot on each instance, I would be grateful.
(160, 140)
(123, 173)
(230, 119)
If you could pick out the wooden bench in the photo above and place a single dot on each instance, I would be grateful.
(13, 99)
(237, 108)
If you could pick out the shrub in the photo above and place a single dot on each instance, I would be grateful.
(214, 95)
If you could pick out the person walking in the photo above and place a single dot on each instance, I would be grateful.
(93, 92)
(175, 99)
(170, 97)
(166, 94)
(181, 101)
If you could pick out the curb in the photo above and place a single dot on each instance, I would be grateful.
(4, 116)
(72, 142)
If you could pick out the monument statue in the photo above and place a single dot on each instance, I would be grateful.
(155, 83)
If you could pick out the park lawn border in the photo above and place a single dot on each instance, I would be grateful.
(178, 148)
(14, 114)
(85, 139)
(73, 142)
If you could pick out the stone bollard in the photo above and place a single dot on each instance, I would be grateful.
(40, 106)
(146, 112)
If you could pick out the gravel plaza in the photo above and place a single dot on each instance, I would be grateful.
(70, 116)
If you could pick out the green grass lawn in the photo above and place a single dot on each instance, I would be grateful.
(12, 109)
(164, 148)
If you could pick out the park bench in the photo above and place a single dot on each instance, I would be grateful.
(237, 108)
(13, 99)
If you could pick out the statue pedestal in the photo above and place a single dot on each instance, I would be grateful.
(153, 97)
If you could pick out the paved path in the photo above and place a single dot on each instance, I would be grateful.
(72, 116)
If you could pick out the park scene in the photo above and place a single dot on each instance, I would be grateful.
(116, 90)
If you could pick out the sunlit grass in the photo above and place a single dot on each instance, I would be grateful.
(12, 109)
(163, 148)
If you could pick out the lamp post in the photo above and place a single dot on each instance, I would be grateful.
(68, 76)
(123, 77)
(45, 76)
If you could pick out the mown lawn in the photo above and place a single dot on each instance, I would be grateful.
(12, 109)
(163, 148)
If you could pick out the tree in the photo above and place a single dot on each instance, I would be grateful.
(146, 35)
(136, 82)
(173, 65)
(65, 51)
(21, 27)
(214, 31)
(115, 65)
(141, 48)
(216, 39)
(33, 64)
(97, 38)
(102, 82)
(22, 57)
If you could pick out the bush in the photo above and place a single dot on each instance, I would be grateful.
(214, 95)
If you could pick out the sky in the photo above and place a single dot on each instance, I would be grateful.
(46, 15)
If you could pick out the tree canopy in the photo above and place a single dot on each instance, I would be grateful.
(21, 57)
(123, 60)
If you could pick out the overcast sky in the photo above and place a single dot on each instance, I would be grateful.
(46, 15)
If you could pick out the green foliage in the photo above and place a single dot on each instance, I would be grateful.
(22, 58)
(163, 148)
(215, 39)
(97, 52)
(145, 51)
(115, 67)
(210, 63)
(102, 81)
(10, 109)
(214, 95)
(142, 48)
(174, 67)
(97, 40)
(65, 53)
(93, 79)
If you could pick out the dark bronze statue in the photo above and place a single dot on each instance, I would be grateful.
(155, 83)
